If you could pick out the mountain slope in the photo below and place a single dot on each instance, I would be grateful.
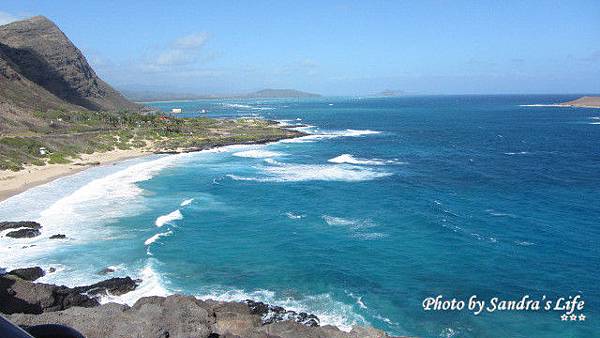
(41, 69)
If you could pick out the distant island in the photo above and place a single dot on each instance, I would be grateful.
(391, 92)
(584, 102)
(157, 95)
(279, 93)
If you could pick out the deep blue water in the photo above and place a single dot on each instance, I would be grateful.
(392, 201)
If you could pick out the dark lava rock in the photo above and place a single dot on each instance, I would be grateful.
(272, 314)
(23, 233)
(106, 271)
(21, 224)
(173, 316)
(58, 236)
(29, 274)
(21, 296)
(114, 286)
(51, 270)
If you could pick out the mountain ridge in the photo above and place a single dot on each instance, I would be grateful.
(41, 69)
(158, 95)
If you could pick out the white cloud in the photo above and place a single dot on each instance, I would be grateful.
(185, 50)
(191, 41)
(7, 18)
(172, 57)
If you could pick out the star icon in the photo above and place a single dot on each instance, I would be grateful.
(573, 317)
(581, 317)
(564, 317)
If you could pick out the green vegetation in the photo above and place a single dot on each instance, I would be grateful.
(65, 135)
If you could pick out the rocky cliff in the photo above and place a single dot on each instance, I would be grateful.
(41, 69)
(28, 304)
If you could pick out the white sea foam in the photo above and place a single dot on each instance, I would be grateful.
(186, 202)
(518, 153)
(151, 285)
(500, 214)
(351, 223)
(386, 320)
(245, 106)
(168, 218)
(157, 236)
(329, 310)
(316, 134)
(542, 105)
(237, 105)
(95, 205)
(258, 153)
(347, 158)
(524, 243)
(307, 172)
(358, 300)
(369, 236)
(314, 172)
(292, 215)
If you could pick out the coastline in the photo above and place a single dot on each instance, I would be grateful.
(16, 182)
(250, 317)
(27, 303)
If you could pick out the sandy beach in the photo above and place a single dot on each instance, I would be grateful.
(15, 182)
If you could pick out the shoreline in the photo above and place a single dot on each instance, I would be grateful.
(16, 182)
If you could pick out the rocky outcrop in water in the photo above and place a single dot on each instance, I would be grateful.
(58, 236)
(21, 224)
(23, 233)
(272, 314)
(28, 274)
(18, 295)
(106, 271)
(26, 229)
(115, 286)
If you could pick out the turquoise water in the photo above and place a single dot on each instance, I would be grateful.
(390, 201)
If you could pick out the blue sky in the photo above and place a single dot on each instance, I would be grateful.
(334, 47)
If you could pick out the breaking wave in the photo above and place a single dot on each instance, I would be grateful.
(324, 306)
(351, 223)
(292, 215)
(168, 218)
(157, 236)
(349, 159)
(186, 202)
(258, 153)
(314, 172)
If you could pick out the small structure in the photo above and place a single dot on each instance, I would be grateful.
(43, 151)
(176, 110)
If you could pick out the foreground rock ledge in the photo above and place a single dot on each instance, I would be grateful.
(180, 316)
(164, 317)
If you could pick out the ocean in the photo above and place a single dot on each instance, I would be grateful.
(388, 201)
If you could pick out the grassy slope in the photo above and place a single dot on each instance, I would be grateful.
(65, 135)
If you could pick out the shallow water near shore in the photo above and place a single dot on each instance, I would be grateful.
(389, 201)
